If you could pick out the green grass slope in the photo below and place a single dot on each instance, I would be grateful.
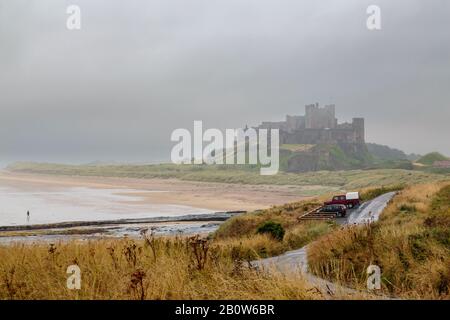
(432, 157)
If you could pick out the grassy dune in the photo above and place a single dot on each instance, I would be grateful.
(151, 269)
(350, 179)
(297, 234)
(410, 243)
(430, 158)
(218, 268)
(166, 268)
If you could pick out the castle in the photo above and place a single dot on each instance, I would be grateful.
(318, 126)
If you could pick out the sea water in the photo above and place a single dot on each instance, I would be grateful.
(82, 204)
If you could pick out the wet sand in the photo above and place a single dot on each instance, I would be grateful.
(206, 195)
(127, 196)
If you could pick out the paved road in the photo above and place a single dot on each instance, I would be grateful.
(370, 211)
(297, 260)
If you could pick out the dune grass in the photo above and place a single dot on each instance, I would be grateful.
(371, 193)
(216, 267)
(155, 268)
(243, 174)
(297, 234)
(410, 243)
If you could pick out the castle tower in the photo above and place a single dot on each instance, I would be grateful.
(358, 127)
(309, 111)
(320, 118)
(330, 116)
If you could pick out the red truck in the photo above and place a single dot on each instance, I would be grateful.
(350, 199)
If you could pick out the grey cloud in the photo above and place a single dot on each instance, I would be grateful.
(139, 69)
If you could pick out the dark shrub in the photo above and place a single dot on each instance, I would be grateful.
(407, 208)
(419, 247)
(273, 228)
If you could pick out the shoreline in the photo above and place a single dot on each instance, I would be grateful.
(221, 199)
(214, 196)
(217, 216)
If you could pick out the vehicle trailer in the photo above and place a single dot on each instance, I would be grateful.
(350, 200)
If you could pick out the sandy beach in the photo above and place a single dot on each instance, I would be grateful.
(206, 195)
(89, 207)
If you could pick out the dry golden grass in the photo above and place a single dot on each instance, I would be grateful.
(157, 268)
(287, 215)
(414, 262)
(166, 268)
(410, 243)
(243, 229)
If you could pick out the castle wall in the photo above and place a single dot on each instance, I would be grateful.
(314, 136)
(319, 125)
(281, 125)
(294, 123)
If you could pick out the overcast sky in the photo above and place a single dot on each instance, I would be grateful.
(137, 70)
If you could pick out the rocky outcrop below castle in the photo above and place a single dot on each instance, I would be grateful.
(342, 156)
